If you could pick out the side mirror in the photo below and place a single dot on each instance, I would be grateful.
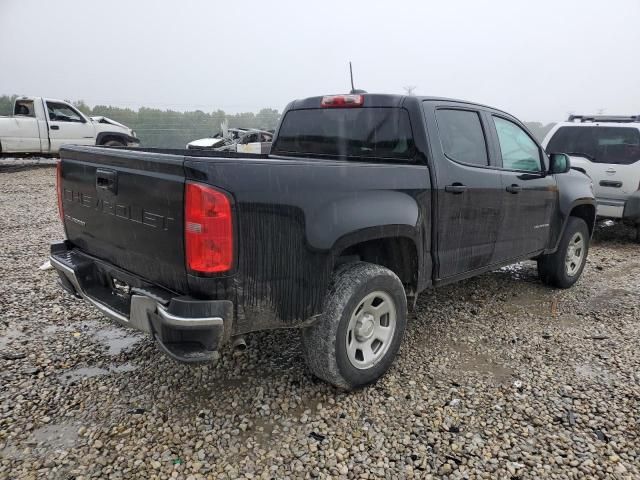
(559, 163)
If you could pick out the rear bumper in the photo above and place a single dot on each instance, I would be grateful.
(187, 329)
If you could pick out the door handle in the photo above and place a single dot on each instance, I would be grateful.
(514, 188)
(55, 127)
(456, 188)
(608, 183)
(107, 180)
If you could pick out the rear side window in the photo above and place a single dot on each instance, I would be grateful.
(24, 108)
(619, 145)
(368, 133)
(462, 136)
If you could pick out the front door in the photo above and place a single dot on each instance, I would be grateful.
(68, 126)
(468, 189)
(530, 195)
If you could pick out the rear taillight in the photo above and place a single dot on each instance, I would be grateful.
(208, 229)
(341, 101)
(59, 188)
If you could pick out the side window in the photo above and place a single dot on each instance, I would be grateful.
(60, 112)
(519, 151)
(24, 108)
(462, 136)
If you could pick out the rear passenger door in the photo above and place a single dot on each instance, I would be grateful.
(529, 193)
(469, 189)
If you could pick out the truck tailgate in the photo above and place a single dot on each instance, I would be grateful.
(126, 208)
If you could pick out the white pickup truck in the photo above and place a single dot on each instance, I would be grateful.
(42, 125)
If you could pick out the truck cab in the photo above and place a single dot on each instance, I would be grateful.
(42, 125)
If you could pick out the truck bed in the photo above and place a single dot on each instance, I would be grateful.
(292, 220)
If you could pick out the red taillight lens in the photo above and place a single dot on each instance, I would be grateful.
(59, 188)
(341, 101)
(208, 229)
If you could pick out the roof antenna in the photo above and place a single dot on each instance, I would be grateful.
(353, 89)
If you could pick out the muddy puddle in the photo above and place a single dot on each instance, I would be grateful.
(10, 337)
(593, 373)
(466, 360)
(569, 321)
(523, 270)
(46, 439)
(79, 374)
(611, 298)
(116, 339)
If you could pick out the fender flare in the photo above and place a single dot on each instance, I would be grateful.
(381, 232)
(126, 139)
(576, 203)
(327, 222)
(371, 215)
(421, 264)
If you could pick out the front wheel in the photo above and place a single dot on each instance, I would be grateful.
(113, 143)
(355, 340)
(563, 268)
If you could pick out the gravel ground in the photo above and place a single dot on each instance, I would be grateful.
(498, 377)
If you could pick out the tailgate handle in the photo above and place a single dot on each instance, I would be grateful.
(609, 183)
(107, 180)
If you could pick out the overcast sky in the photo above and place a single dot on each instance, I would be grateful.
(537, 61)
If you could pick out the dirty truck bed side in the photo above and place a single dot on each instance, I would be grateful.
(294, 219)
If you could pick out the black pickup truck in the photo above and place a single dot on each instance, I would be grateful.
(365, 201)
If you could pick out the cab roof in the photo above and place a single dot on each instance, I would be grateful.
(385, 100)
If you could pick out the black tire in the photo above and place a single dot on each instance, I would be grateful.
(113, 143)
(553, 269)
(325, 341)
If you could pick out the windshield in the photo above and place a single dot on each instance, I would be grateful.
(382, 133)
(619, 145)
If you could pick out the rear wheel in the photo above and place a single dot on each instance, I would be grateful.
(563, 268)
(357, 337)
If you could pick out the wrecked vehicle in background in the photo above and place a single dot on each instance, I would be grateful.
(43, 125)
(244, 140)
(364, 202)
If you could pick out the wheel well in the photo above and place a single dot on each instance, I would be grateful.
(587, 213)
(398, 254)
(108, 138)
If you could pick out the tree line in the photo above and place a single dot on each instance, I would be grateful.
(169, 128)
(174, 129)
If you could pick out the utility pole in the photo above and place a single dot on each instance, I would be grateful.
(409, 89)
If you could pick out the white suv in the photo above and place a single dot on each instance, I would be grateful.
(607, 148)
